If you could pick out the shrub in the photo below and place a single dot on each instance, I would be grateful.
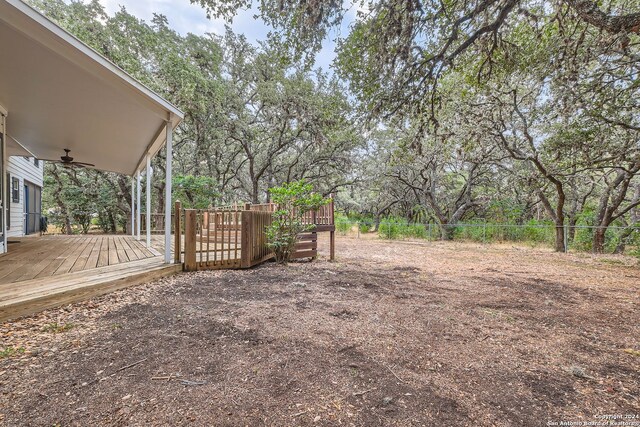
(343, 224)
(583, 239)
(538, 232)
(633, 242)
(388, 230)
(364, 227)
(417, 231)
(471, 231)
(294, 199)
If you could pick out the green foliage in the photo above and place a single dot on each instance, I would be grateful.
(347, 223)
(390, 228)
(255, 115)
(294, 200)
(585, 230)
(56, 328)
(11, 351)
(344, 227)
(364, 227)
(507, 211)
(344, 224)
(78, 199)
(633, 241)
(195, 192)
(583, 239)
(537, 232)
(397, 228)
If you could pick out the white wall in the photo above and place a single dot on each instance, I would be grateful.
(22, 168)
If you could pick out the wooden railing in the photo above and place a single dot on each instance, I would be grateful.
(233, 237)
(322, 217)
(157, 223)
(263, 207)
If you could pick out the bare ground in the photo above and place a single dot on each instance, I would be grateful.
(441, 334)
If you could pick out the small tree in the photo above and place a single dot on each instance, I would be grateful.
(294, 200)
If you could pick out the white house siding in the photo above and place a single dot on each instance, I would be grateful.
(23, 169)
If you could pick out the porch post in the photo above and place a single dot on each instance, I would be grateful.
(167, 196)
(138, 214)
(133, 207)
(3, 173)
(148, 201)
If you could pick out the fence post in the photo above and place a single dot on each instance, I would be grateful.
(245, 236)
(484, 232)
(332, 245)
(566, 238)
(177, 233)
(332, 233)
(190, 221)
(430, 238)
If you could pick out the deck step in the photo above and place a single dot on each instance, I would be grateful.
(32, 296)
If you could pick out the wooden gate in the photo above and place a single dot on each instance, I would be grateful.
(217, 239)
(254, 243)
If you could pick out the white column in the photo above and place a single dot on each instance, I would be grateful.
(3, 184)
(148, 201)
(167, 196)
(133, 207)
(138, 214)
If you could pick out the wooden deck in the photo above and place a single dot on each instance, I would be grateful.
(39, 257)
(49, 271)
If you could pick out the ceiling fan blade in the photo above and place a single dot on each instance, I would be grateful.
(83, 164)
(51, 160)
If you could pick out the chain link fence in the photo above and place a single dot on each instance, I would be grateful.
(578, 238)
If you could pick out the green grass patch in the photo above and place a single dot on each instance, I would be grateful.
(56, 328)
(11, 351)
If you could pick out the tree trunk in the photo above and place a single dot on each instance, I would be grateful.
(610, 202)
(63, 207)
(559, 247)
(113, 228)
(557, 215)
(67, 222)
(598, 240)
(446, 231)
(572, 227)
(255, 197)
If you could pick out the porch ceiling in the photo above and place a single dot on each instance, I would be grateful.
(14, 148)
(61, 94)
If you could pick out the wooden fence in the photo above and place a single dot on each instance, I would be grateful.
(232, 237)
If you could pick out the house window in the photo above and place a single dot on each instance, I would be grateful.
(36, 162)
(15, 190)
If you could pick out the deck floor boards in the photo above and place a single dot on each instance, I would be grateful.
(41, 257)
(43, 272)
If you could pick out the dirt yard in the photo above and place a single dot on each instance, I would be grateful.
(401, 334)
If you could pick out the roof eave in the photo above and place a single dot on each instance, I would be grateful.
(95, 56)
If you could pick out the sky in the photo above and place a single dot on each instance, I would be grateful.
(185, 17)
